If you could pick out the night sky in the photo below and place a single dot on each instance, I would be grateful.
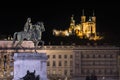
(57, 16)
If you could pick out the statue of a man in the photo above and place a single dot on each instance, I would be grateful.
(28, 25)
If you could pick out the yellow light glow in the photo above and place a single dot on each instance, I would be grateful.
(85, 29)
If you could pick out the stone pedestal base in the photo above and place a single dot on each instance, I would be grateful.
(30, 63)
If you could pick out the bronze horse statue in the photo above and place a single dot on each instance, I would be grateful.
(33, 34)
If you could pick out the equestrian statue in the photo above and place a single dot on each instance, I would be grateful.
(30, 32)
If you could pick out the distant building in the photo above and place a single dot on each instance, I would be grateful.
(79, 61)
(85, 29)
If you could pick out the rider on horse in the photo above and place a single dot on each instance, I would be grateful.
(28, 25)
(31, 32)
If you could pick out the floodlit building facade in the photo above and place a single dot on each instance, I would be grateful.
(74, 62)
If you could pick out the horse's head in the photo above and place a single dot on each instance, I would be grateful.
(29, 20)
(41, 26)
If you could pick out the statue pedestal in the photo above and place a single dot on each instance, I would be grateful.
(32, 62)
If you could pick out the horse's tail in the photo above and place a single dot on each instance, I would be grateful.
(14, 38)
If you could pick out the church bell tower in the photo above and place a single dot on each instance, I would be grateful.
(83, 17)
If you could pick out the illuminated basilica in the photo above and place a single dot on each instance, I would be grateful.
(86, 29)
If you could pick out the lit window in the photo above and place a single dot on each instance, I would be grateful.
(65, 63)
(54, 72)
(54, 64)
(65, 56)
(71, 63)
(71, 72)
(48, 56)
(65, 72)
(60, 63)
(48, 63)
(71, 56)
(59, 56)
(53, 56)
(60, 72)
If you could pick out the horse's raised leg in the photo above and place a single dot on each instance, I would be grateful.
(42, 43)
(19, 44)
(36, 45)
(13, 44)
(14, 37)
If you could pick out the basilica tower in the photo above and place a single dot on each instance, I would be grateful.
(72, 25)
(72, 22)
(94, 24)
(83, 17)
